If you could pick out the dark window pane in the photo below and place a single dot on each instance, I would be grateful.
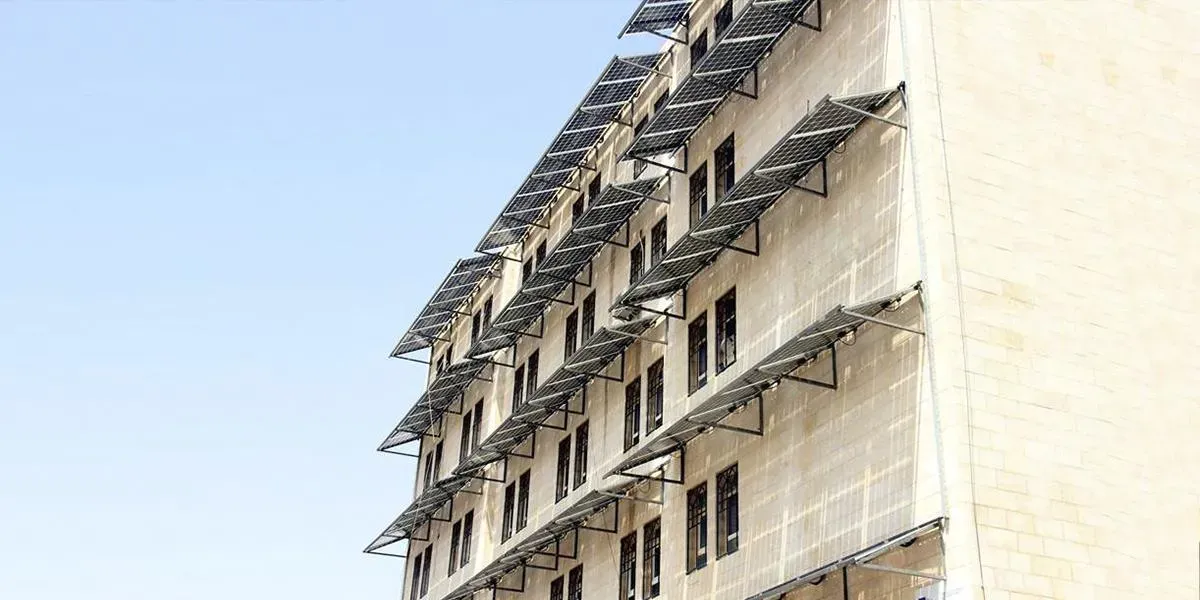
(556, 589)
(577, 210)
(633, 412)
(522, 501)
(572, 337)
(475, 322)
(589, 316)
(455, 539)
(487, 312)
(562, 476)
(518, 391)
(464, 445)
(654, 396)
(593, 190)
(726, 313)
(477, 428)
(722, 19)
(698, 353)
(697, 527)
(526, 270)
(415, 584)
(661, 102)
(658, 241)
(698, 194)
(428, 569)
(581, 454)
(628, 579)
(531, 374)
(699, 48)
(437, 461)
(637, 260)
(727, 511)
(651, 559)
(510, 501)
(468, 529)
(723, 173)
(575, 583)
(540, 254)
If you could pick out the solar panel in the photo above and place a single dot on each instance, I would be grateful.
(447, 301)
(600, 107)
(736, 52)
(447, 387)
(599, 222)
(592, 503)
(656, 16)
(791, 159)
(591, 358)
(819, 336)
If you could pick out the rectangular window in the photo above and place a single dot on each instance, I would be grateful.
(428, 569)
(726, 313)
(510, 505)
(455, 540)
(633, 412)
(697, 527)
(487, 312)
(575, 583)
(540, 254)
(531, 374)
(727, 511)
(639, 166)
(723, 179)
(628, 582)
(437, 461)
(637, 260)
(464, 445)
(699, 48)
(581, 454)
(562, 476)
(478, 426)
(698, 353)
(518, 390)
(475, 323)
(654, 396)
(588, 324)
(523, 501)
(572, 339)
(698, 195)
(556, 589)
(577, 210)
(658, 241)
(416, 578)
(593, 190)
(526, 270)
(428, 471)
(722, 19)
(661, 102)
(468, 528)
(651, 559)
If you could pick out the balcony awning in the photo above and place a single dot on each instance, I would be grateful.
(798, 351)
(780, 170)
(735, 53)
(447, 303)
(600, 107)
(447, 387)
(426, 504)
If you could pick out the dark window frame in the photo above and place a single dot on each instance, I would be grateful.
(508, 516)
(697, 349)
(654, 395)
(415, 583)
(633, 413)
(652, 559)
(531, 373)
(477, 427)
(455, 540)
(698, 49)
(722, 19)
(522, 501)
(571, 335)
(724, 172)
(637, 261)
(725, 312)
(518, 388)
(697, 528)
(587, 319)
(575, 583)
(428, 569)
(727, 511)
(557, 588)
(562, 472)
(582, 443)
(658, 241)
(627, 577)
(468, 531)
(698, 194)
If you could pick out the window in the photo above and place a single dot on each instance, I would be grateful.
(556, 589)
(654, 396)
(727, 511)
(661, 102)
(581, 454)
(658, 241)
(726, 313)
(478, 427)
(593, 191)
(510, 504)
(651, 558)
(575, 583)
(639, 166)
(428, 568)
(722, 19)
(523, 500)
(487, 312)
(576, 210)
(637, 259)
(562, 476)
(628, 582)
(437, 461)
(698, 195)
(572, 339)
(416, 578)
(455, 539)
(526, 270)
(698, 353)
(531, 374)
(699, 48)
(464, 445)
(589, 317)
(518, 390)
(468, 527)
(697, 527)
(723, 169)
(428, 471)
(633, 412)
(475, 327)
(540, 254)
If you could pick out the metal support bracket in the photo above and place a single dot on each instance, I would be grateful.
(878, 321)
(751, 252)
(832, 384)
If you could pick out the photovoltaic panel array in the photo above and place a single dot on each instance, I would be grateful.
(590, 359)
(446, 303)
(601, 107)
(735, 54)
(819, 336)
(598, 223)
(425, 505)
(656, 16)
(447, 387)
(540, 541)
(812, 139)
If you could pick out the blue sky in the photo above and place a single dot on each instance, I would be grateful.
(215, 220)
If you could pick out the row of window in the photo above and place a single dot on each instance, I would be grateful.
(651, 562)
(574, 585)
(654, 404)
(562, 476)
(727, 519)
(516, 507)
(461, 534)
(726, 329)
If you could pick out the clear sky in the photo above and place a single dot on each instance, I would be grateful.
(216, 217)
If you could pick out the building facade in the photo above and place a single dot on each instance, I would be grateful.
(831, 299)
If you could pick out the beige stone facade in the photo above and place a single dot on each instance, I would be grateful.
(1043, 425)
